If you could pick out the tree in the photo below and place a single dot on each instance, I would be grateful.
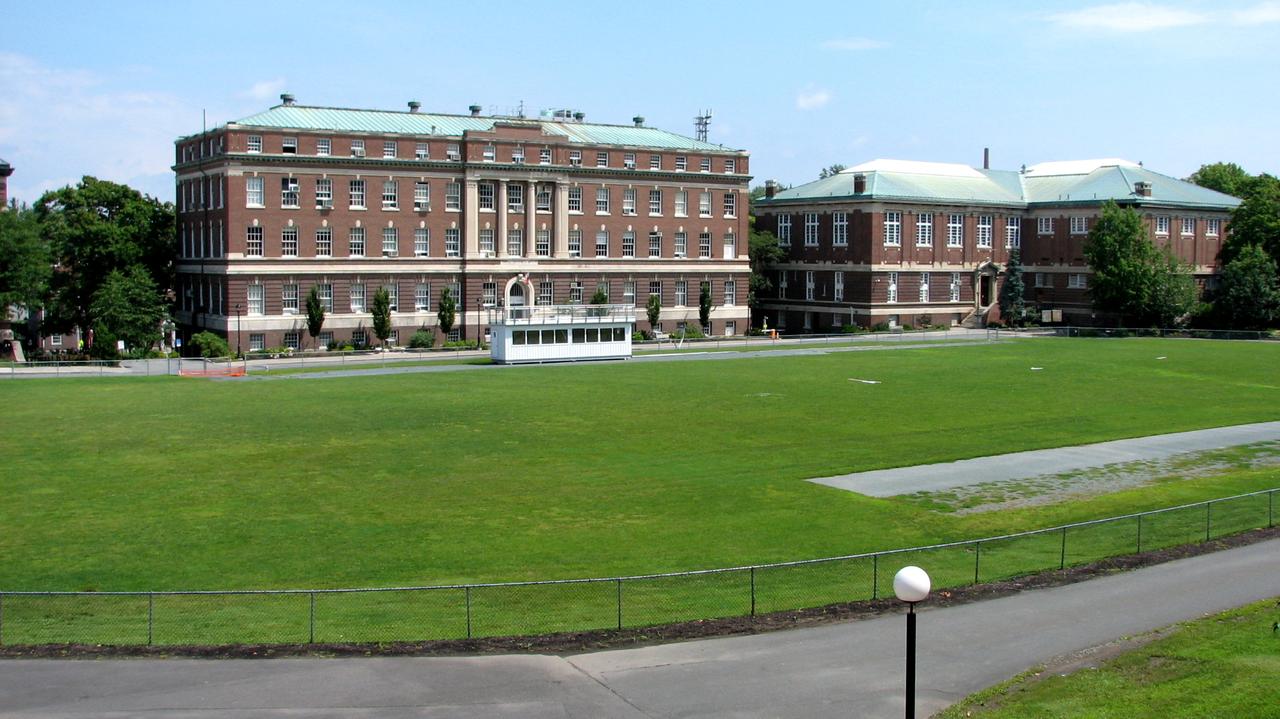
(448, 311)
(1257, 220)
(1173, 290)
(1131, 277)
(1225, 177)
(704, 305)
(210, 345)
(382, 314)
(1013, 302)
(599, 298)
(653, 309)
(1249, 296)
(93, 229)
(315, 313)
(763, 251)
(25, 266)
(829, 171)
(127, 307)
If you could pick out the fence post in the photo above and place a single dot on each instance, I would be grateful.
(468, 612)
(875, 576)
(1062, 558)
(977, 554)
(619, 581)
(151, 617)
(1, 618)
(1208, 514)
(753, 591)
(1139, 534)
(312, 623)
(1271, 502)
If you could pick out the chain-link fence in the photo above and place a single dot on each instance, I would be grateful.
(1121, 332)
(529, 608)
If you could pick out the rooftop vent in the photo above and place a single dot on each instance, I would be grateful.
(1142, 189)
(859, 183)
(475, 110)
(579, 116)
(286, 99)
(414, 106)
(638, 120)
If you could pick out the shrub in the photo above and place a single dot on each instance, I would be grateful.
(690, 332)
(460, 344)
(853, 329)
(210, 345)
(638, 336)
(422, 339)
(880, 327)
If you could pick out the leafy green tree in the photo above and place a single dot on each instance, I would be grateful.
(1226, 177)
(93, 229)
(653, 309)
(315, 313)
(25, 266)
(210, 345)
(1257, 220)
(127, 307)
(382, 314)
(1131, 277)
(1173, 290)
(763, 251)
(448, 311)
(829, 171)
(1013, 292)
(704, 305)
(1249, 296)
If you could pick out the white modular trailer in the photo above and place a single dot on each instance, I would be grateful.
(561, 333)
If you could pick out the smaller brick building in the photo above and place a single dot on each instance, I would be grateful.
(5, 170)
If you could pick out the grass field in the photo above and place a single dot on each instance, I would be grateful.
(1222, 666)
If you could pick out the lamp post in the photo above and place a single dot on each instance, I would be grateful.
(237, 329)
(911, 585)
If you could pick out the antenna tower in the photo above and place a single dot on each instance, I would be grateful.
(700, 123)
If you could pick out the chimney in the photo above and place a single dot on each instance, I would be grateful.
(475, 110)
(1142, 189)
(638, 120)
(579, 116)
(859, 183)
(414, 106)
(286, 99)
(770, 188)
(986, 158)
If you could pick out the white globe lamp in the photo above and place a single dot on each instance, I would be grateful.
(911, 584)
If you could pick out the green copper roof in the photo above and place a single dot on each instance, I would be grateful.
(1053, 183)
(302, 117)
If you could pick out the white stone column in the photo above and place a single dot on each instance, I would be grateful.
(530, 218)
(501, 202)
(471, 226)
(560, 228)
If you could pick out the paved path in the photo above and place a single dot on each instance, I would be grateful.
(1024, 465)
(843, 670)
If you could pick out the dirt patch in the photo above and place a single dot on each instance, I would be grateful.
(577, 642)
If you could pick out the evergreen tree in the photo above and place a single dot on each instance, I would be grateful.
(653, 309)
(704, 305)
(382, 314)
(1013, 301)
(448, 311)
(315, 313)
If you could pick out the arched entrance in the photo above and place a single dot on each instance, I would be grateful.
(985, 279)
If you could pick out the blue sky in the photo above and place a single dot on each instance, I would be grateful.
(104, 88)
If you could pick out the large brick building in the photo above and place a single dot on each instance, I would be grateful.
(911, 243)
(5, 170)
(348, 201)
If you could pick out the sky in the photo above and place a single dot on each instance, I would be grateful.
(104, 89)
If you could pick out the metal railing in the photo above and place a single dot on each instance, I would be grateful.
(1122, 332)
(560, 314)
(455, 611)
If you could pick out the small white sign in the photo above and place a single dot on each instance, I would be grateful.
(120, 345)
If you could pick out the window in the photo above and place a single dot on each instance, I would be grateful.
(515, 243)
(324, 194)
(1079, 226)
(359, 338)
(355, 242)
(254, 304)
(542, 243)
(705, 164)
(289, 242)
(1211, 227)
(655, 289)
(839, 229)
(487, 244)
(1044, 225)
(324, 242)
(517, 155)
(1162, 225)
(257, 341)
(421, 196)
(891, 292)
(452, 242)
(515, 198)
(289, 145)
(288, 192)
(730, 204)
(390, 199)
(253, 242)
(784, 230)
(681, 163)
(542, 198)
(289, 298)
(655, 244)
(453, 196)
(602, 200)
(575, 157)
(356, 189)
(730, 245)
(628, 292)
(602, 243)
(602, 159)
(628, 244)
(357, 298)
(730, 293)
(655, 162)
(421, 242)
(839, 287)
(357, 148)
(602, 288)
(655, 202)
(955, 230)
(1076, 281)
(782, 284)
(422, 297)
(575, 199)
(1012, 232)
(730, 165)
(575, 292)
(808, 285)
(629, 160)
(544, 156)
(575, 243)
(291, 339)
(924, 286)
(682, 203)
(453, 152)
(485, 194)
(955, 287)
(629, 201)
(490, 153)
(545, 294)
(323, 146)
(421, 151)
(389, 149)
(1188, 226)
(811, 229)
(393, 296)
(704, 244)
(1044, 279)
(390, 242)
(924, 230)
(253, 192)
(985, 223)
(893, 228)
(682, 242)
(704, 204)
(682, 293)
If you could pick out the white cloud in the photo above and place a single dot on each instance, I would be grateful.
(1262, 13)
(265, 89)
(854, 43)
(1128, 17)
(812, 98)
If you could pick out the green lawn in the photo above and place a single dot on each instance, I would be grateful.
(580, 470)
(1223, 666)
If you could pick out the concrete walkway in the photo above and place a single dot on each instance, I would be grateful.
(1024, 465)
(844, 670)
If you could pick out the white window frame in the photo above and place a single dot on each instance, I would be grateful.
(1044, 225)
(357, 294)
(838, 286)
(575, 200)
(628, 201)
(253, 144)
(924, 229)
(1162, 224)
(784, 230)
(357, 148)
(730, 205)
(602, 200)
(324, 146)
(515, 198)
(356, 242)
(255, 300)
(253, 196)
(356, 194)
(810, 229)
(839, 229)
(289, 298)
(955, 230)
(575, 243)
(808, 285)
(986, 228)
(893, 228)
(452, 242)
(682, 293)
(602, 243)
(289, 241)
(924, 287)
(324, 242)
(1212, 227)
(485, 196)
(955, 287)
(421, 242)
(324, 193)
(254, 242)
(704, 204)
(390, 242)
(290, 192)
(681, 244)
(704, 245)
(655, 203)
(453, 196)
(390, 195)
(1079, 225)
(389, 149)
(891, 289)
(421, 151)
(628, 243)
(421, 196)
(1077, 281)
(1188, 227)
(422, 297)
(681, 208)
(1012, 232)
